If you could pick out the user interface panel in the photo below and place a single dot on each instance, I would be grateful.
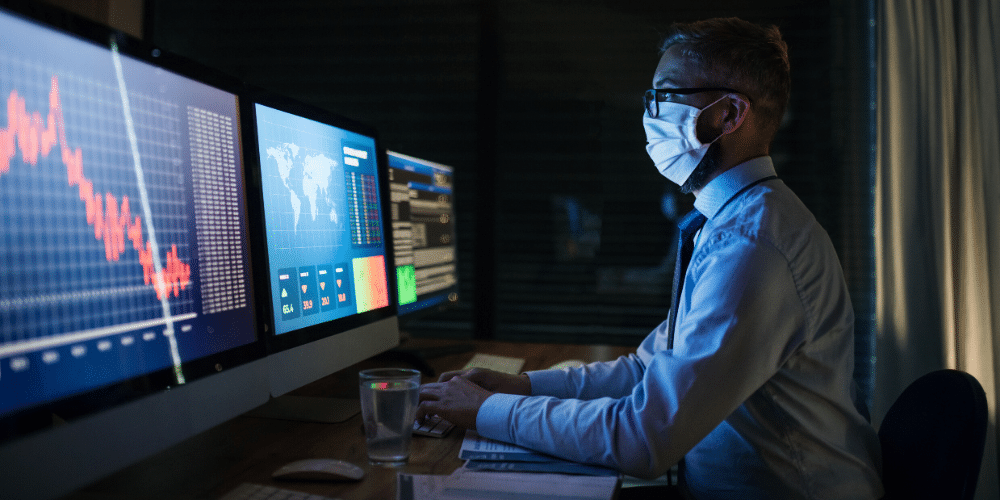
(423, 233)
(323, 220)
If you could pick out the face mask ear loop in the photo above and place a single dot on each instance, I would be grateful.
(702, 111)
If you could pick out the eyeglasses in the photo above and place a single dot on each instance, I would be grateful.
(653, 97)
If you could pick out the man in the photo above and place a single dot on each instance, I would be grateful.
(752, 388)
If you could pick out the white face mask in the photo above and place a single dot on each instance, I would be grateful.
(672, 140)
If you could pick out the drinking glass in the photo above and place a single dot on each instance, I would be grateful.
(389, 398)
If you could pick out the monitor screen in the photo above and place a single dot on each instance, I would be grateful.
(423, 234)
(321, 198)
(124, 219)
(124, 263)
(322, 218)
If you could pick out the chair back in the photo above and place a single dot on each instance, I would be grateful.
(933, 437)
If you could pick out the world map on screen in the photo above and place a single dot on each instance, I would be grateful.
(306, 176)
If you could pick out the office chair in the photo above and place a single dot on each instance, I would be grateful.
(933, 437)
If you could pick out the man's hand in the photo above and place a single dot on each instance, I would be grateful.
(458, 395)
(456, 400)
(493, 381)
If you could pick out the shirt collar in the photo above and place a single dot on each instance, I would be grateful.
(721, 189)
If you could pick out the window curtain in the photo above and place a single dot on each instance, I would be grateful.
(937, 200)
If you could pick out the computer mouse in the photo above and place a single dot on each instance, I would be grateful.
(320, 469)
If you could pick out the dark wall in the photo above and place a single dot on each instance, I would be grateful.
(537, 104)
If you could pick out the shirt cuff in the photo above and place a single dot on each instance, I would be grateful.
(493, 419)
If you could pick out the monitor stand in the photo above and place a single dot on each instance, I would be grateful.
(308, 409)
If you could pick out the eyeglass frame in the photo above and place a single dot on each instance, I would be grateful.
(650, 96)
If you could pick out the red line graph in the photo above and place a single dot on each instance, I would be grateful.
(112, 222)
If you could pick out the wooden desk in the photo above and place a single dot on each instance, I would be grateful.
(249, 449)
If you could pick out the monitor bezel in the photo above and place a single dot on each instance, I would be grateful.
(410, 316)
(60, 446)
(37, 418)
(265, 314)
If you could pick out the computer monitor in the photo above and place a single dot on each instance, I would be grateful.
(423, 235)
(127, 318)
(326, 281)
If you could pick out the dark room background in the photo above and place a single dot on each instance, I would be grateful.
(564, 224)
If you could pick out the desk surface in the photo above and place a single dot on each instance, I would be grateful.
(249, 449)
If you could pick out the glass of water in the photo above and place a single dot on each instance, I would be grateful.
(389, 398)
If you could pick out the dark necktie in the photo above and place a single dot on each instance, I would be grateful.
(688, 227)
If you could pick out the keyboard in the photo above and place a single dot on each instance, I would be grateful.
(253, 491)
(433, 426)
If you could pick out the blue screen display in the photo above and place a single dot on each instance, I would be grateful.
(323, 220)
(423, 233)
(123, 245)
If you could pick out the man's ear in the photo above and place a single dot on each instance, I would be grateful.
(736, 111)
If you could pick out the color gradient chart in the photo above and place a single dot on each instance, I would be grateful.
(370, 283)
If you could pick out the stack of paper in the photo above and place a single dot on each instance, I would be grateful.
(500, 471)
(487, 454)
(471, 485)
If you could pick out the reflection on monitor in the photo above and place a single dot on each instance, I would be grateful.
(423, 234)
(324, 228)
(124, 264)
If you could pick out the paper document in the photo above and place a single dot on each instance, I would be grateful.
(476, 447)
(469, 485)
(487, 454)
(554, 466)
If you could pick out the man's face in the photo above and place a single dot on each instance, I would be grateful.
(679, 71)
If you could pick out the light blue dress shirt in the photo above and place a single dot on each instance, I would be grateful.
(756, 395)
